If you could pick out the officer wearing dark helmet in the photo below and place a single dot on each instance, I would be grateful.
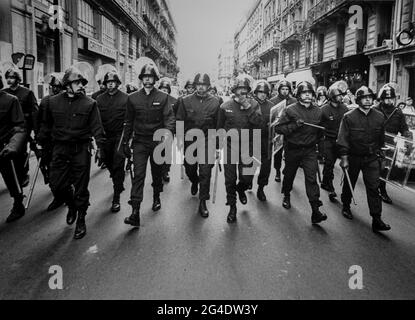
(148, 110)
(332, 115)
(112, 105)
(240, 113)
(71, 119)
(12, 143)
(189, 87)
(360, 140)
(284, 89)
(199, 111)
(55, 88)
(262, 93)
(165, 86)
(395, 123)
(300, 142)
(29, 106)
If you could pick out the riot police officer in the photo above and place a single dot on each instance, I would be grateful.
(12, 143)
(29, 106)
(361, 137)
(189, 87)
(71, 119)
(112, 105)
(240, 113)
(395, 123)
(332, 114)
(300, 141)
(199, 111)
(148, 110)
(322, 96)
(285, 92)
(262, 93)
(165, 86)
(55, 88)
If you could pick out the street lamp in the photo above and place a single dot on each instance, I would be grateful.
(24, 62)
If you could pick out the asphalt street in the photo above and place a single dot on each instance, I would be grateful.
(270, 253)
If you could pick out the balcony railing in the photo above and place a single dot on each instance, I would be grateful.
(87, 29)
(323, 7)
(294, 28)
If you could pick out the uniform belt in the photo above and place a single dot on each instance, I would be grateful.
(292, 146)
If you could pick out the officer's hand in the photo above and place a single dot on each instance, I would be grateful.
(300, 122)
(126, 151)
(100, 156)
(7, 153)
(344, 162)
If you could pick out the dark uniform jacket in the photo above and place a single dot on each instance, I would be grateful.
(95, 95)
(361, 134)
(198, 113)
(148, 113)
(265, 107)
(277, 99)
(11, 121)
(294, 135)
(395, 121)
(331, 118)
(73, 120)
(27, 102)
(112, 109)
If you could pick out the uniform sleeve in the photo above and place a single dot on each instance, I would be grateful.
(46, 124)
(129, 121)
(285, 124)
(95, 124)
(33, 102)
(343, 137)
(255, 117)
(17, 117)
(169, 120)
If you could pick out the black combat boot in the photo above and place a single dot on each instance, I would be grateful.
(379, 225)
(134, 219)
(71, 215)
(278, 176)
(195, 188)
(116, 206)
(261, 194)
(317, 216)
(156, 202)
(232, 214)
(241, 193)
(286, 202)
(18, 210)
(203, 211)
(80, 230)
(55, 204)
(347, 213)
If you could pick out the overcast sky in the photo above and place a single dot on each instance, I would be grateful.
(203, 27)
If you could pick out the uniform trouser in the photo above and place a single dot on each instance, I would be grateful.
(307, 159)
(22, 165)
(265, 170)
(201, 172)
(278, 159)
(115, 164)
(167, 166)
(330, 152)
(142, 151)
(371, 174)
(9, 178)
(70, 172)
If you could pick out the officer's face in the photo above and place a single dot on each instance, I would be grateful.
(112, 85)
(241, 92)
(306, 96)
(190, 89)
(366, 102)
(261, 95)
(165, 90)
(389, 101)
(339, 98)
(54, 89)
(149, 82)
(11, 81)
(202, 89)
(77, 87)
(284, 91)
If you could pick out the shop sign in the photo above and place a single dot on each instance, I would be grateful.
(99, 48)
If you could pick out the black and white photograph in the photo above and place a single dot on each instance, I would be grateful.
(207, 156)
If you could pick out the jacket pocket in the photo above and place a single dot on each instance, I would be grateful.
(58, 119)
(155, 115)
(79, 120)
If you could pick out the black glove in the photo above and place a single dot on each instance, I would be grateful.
(125, 150)
(344, 162)
(100, 157)
(300, 122)
(7, 152)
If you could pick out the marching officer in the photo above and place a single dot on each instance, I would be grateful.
(112, 105)
(238, 113)
(300, 140)
(55, 88)
(71, 118)
(199, 111)
(284, 89)
(165, 86)
(29, 106)
(322, 96)
(12, 143)
(189, 87)
(361, 137)
(331, 117)
(395, 123)
(102, 89)
(148, 110)
(262, 92)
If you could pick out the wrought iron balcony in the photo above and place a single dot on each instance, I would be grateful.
(292, 32)
(323, 7)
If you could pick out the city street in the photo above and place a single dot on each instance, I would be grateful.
(270, 253)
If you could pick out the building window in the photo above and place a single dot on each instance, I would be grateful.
(86, 19)
(108, 32)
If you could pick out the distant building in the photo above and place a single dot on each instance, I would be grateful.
(225, 65)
